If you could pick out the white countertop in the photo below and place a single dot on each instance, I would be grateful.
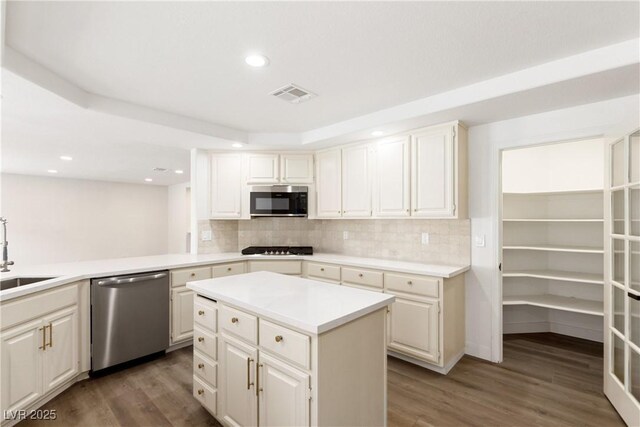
(307, 305)
(70, 272)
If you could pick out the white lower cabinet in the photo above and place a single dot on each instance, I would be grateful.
(38, 356)
(205, 353)
(413, 328)
(239, 403)
(181, 314)
(283, 393)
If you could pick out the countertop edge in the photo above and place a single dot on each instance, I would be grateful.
(338, 259)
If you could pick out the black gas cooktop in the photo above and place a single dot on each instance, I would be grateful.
(278, 250)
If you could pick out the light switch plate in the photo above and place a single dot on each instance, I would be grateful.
(425, 238)
(345, 235)
(205, 235)
(479, 241)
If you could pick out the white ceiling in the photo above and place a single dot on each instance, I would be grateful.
(88, 70)
(359, 57)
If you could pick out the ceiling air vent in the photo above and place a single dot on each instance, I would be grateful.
(292, 93)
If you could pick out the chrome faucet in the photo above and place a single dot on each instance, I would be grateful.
(5, 254)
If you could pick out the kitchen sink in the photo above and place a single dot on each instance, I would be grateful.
(21, 281)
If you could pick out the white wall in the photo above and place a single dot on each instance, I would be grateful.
(179, 219)
(64, 220)
(483, 298)
(554, 167)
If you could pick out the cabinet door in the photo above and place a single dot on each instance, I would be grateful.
(296, 168)
(21, 365)
(329, 184)
(413, 328)
(262, 169)
(356, 182)
(226, 179)
(391, 178)
(284, 394)
(60, 359)
(239, 401)
(432, 178)
(181, 314)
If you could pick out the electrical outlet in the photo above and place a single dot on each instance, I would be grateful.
(425, 238)
(479, 241)
(205, 235)
(345, 235)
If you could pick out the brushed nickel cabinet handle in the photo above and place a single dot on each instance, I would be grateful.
(234, 320)
(200, 392)
(258, 388)
(50, 334)
(200, 339)
(200, 365)
(201, 312)
(279, 338)
(249, 383)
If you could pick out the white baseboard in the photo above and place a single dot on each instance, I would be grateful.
(558, 328)
(525, 327)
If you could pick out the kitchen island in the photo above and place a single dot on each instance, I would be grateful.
(281, 350)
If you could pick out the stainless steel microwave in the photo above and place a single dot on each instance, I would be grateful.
(278, 200)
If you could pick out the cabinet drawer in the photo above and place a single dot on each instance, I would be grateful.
(426, 286)
(181, 277)
(227, 269)
(205, 368)
(205, 341)
(204, 313)
(323, 271)
(239, 323)
(206, 395)
(283, 267)
(284, 342)
(360, 276)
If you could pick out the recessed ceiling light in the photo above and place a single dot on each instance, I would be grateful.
(236, 145)
(148, 179)
(52, 171)
(377, 133)
(67, 158)
(257, 61)
(179, 171)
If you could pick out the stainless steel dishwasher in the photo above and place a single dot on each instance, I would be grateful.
(129, 317)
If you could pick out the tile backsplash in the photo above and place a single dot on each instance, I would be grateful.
(449, 240)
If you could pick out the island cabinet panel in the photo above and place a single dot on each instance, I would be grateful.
(205, 341)
(283, 394)
(239, 403)
(413, 328)
(205, 353)
(205, 368)
(289, 345)
(206, 395)
(239, 323)
(205, 313)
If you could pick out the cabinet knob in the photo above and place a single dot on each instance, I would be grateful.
(279, 338)
(200, 365)
(322, 269)
(200, 392)
(201, 312)
(409, 282)
(360, 275)
(193, 274)
(200, 339)
(234, 320)
(228, 268)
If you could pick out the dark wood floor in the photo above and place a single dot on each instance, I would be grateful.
(545, 380)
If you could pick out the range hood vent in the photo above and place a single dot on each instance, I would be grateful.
(293, 94)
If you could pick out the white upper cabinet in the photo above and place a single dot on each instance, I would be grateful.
(329, 184)
(356, 182)
(226, 178)
(391, 178)
(438, 176)
(296, 168)
(263, 169)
